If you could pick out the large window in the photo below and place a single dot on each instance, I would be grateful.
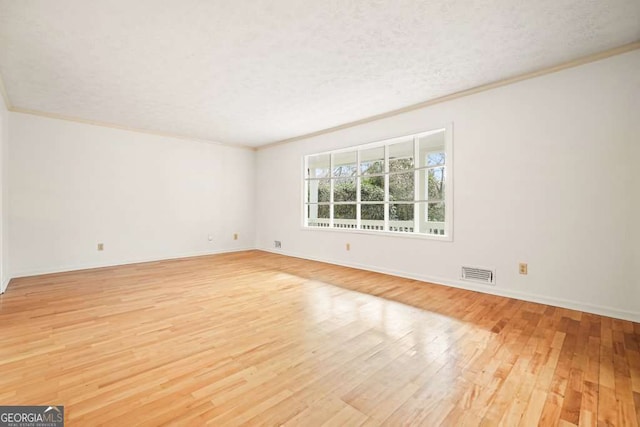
(401, 185)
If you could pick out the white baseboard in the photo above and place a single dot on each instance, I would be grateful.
(4, 285)
(541, 299)
(87, 266)
(456, 283)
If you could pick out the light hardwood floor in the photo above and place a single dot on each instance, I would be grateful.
(259, 338)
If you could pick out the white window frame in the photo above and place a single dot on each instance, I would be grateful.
(448, 182)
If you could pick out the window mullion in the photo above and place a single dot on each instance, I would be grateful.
(358, 184)
(416, 186)
(386, 188)
(331, 183)
(305, 195)
(305, 205)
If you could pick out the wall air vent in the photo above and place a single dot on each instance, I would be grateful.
(480, 275)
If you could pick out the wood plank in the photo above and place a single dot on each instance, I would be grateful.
(261, 339)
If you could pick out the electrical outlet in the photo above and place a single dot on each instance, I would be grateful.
(522, 268)
(101, 246)
(277, 244)
(348, 246)
(235, 236)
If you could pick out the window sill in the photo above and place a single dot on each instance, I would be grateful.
(447, 238)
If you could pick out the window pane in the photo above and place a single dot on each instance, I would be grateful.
(435, 212)
(344, 211)
(432, 226)
(431, 184)
(401, 217)
(372, 161)
(344, 164)
(318, 166)
(435, 182)
(372, 217)
(318, 190)
(401, 212)
(344, 216)
(431, 149)
(372, 212)
(401, 156)
(401, 186)
(372, 189)
(318, 215)
(435, 159)
(344, 190)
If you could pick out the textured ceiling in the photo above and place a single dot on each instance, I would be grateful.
(255, 72)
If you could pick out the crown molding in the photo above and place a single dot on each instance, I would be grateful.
(125, 128)
(57, 116)
(482, 88)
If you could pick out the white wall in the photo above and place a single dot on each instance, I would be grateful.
(4, 241)
(546, 172)
(145, 197)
